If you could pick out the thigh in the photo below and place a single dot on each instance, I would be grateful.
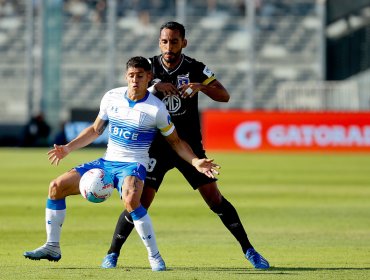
(192, 175)
(65, 185)
(161, 161)
(124, 175)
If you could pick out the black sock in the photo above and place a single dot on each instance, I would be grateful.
(123, 229)
(230, 219)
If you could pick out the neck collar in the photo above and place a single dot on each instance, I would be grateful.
(133, 102)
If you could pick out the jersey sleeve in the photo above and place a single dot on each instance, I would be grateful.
(210, 76)
(207, 76)
(103, 114)
(164, 123)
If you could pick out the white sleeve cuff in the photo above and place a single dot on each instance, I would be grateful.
(151, 89)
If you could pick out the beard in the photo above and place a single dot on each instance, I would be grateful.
(173, 57)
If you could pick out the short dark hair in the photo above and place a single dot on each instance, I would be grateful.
(173, 25)
(139, 62)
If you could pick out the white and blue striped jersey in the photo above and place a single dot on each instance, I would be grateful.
(132, 125)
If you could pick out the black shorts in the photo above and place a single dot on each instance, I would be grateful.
(162, 160)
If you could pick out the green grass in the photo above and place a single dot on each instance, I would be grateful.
(308, 214)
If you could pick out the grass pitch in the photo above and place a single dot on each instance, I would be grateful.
(308, 214)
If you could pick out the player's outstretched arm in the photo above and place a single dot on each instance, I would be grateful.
(86, 136)
(204, 165)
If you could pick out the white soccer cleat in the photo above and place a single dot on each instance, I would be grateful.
(157, 263)
(47, 252)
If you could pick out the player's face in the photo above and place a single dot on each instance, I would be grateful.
(171, 44)
(137, 81)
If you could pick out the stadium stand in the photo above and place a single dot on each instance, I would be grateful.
(286, 47)
(219, 39)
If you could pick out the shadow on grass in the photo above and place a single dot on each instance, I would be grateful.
(271, 270)
(233, 270)
(318, 268)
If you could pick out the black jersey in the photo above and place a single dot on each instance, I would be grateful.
(184, 112)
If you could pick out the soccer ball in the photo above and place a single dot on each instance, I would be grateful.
(96, 185)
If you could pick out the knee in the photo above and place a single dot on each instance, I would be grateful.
(54, 189)
(214, 200)
(225, 208)
(219, 206)
(211, 195)
(131, 203)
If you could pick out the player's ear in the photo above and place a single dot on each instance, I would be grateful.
(184, 43)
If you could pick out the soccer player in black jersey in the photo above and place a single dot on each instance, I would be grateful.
(178, 80)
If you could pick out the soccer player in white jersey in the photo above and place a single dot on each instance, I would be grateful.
(134, 117)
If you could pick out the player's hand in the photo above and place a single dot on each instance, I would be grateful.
(189, 90)
(207, 167)
(166, 89)
(57, 153)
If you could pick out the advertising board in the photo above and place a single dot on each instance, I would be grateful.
(269, 131)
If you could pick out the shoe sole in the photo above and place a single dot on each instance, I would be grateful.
(259, 266)
(159, 269)
(262, 267)
(108, 267)
(50, 259)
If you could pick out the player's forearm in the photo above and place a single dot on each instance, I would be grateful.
(185, 152)
(216, 91)
(86, 137)
(216, 94)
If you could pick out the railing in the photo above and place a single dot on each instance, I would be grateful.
(317, 96)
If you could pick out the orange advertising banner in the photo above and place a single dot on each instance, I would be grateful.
(276, 131)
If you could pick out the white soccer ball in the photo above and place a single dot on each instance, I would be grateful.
(96, 185)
